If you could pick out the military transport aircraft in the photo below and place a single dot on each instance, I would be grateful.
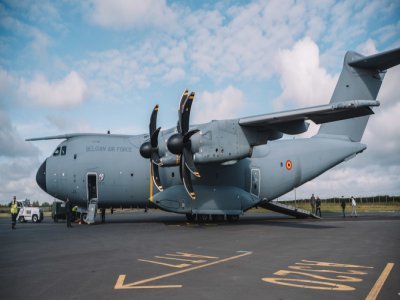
(221, 168)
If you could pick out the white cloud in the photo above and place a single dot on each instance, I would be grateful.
(382, 135)
(39, 39)
(66, 92)
(218, 105)
(352, 179)
(304, 82)
(174, 75)
(7, 85)
(11, 143)
(367, 48)
(132, 14)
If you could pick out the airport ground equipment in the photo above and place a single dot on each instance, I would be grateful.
(28, 212)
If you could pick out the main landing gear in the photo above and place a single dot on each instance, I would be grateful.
(203, 218)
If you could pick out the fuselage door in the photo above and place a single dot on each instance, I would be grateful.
(255, 182)
(92, 186)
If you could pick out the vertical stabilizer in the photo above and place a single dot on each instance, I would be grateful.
(361, 78)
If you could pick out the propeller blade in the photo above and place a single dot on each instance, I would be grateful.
(189, 163)
(188, 135)
(186, 113)
(154, 139)
(180, 108)
(155, 159)
(153, 120)
(156, 176)
(187, 179)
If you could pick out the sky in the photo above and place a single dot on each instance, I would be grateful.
(98, 65)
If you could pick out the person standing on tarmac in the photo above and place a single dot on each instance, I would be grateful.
(318, 205)
(343, 205)
(14, 212)
(353, 207)
(312, 203)
(68, 212)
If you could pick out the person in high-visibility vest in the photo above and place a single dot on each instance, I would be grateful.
(14, 212)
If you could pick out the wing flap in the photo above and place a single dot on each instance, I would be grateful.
(318, 114)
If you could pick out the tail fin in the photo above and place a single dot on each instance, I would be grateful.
(361, 78)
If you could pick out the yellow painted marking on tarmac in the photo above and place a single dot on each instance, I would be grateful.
(373, 294)
(182, 259)
(135, 285)
(308, 269)
(318, 281)
(120, 285)
(180, 266)
(319, 285)
(184, 254)
(328, 264)
(339, 278)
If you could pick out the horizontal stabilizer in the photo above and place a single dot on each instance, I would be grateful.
(318, 114)
(381, 61)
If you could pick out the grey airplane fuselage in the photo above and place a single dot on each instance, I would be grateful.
(123, 176)
(242, 162)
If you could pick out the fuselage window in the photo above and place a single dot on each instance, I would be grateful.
(63, 150)
(57, 152)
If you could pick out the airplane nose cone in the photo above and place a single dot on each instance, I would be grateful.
(41, 176)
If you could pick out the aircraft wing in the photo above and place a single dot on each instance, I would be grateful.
(69, 135)
(318, 114)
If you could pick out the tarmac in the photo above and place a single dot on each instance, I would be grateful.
(158, 255)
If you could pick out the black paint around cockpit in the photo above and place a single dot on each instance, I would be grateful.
(41, 176)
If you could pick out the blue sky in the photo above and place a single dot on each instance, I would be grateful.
(93, 66)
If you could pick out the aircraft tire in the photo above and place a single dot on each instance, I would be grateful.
(191, 217)
(84, 217)
(217, 218)
(232, 218)
(203, 218)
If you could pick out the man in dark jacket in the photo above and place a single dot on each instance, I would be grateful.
(68, 212)
(343, 205)
(318, 205)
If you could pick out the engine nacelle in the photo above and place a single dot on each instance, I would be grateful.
(220, 141)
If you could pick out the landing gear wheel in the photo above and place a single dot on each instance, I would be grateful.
(217, 218)
(191, 217)
(203, 218)
(232, 218)
(84, 217)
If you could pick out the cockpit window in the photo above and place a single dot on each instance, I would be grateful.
(63, 150)
(56, 152)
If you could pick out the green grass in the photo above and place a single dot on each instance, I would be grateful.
(335, 207)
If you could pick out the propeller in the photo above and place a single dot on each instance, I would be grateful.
(149, 149)
(180, 143)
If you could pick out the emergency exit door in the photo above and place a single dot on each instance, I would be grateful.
(255, 182)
